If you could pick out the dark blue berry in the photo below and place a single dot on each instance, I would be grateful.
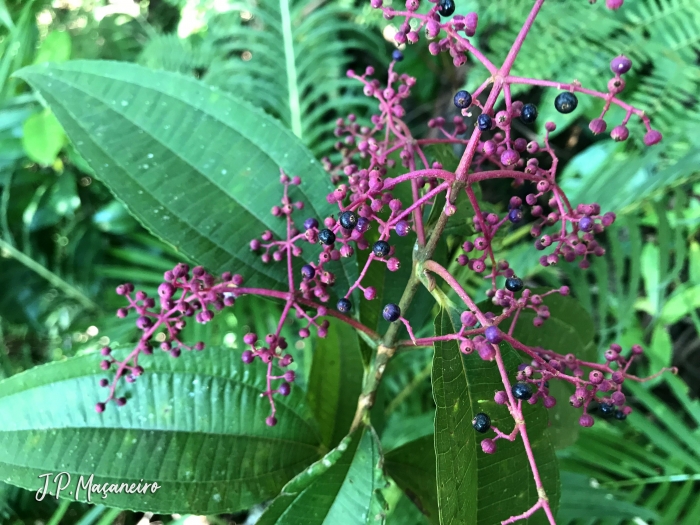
(397, 55)
(308, 271)
(391, 312)
(484, 122)
(326, 237)
(514, 284)
(521, 391)
(515, 215)
(446, 7)
(463, 99)
(529, 113)
(619, 414)
(344, 305)
(348, 220)
(606, 410)
(481, 423)
(381, 249)
(310, 223)
(565, 102)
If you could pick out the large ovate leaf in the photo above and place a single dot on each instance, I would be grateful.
(474, 487)
(335, 381)
(196, 166)
(343, 487)
(195, 425)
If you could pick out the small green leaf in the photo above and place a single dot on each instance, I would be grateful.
(194, 165)
(42, 137)
(195, 425)
(343, 487)
(412, 466)
(335, 382)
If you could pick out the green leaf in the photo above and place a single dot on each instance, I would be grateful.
(195, 425)
(335, 382)
(42, 137)
(194, 165)
(474, 487)
(343, 487)
(412, 466)
(56, 47)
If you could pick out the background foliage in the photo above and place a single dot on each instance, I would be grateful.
(65, 241)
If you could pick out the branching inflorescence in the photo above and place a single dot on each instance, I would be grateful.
(365, 198)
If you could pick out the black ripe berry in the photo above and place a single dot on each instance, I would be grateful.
(397, 55)
(308, 271)
(446, 7)
(391, 312)
(381, 249)
(619, 414)
(484, 122)
(529, 113)
(481, 423)
(565, 102)
(463, 99)
(521, 391)
(348, 220)
(344, 305)
(514, 284)
(326, 237)
(606, 410)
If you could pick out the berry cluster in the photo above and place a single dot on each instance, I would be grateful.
(374, 159)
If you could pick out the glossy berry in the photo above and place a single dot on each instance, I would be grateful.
(391, 312)
(344, 305)
(493, 335)
(565, 102)
(586, 224)
(514, 284)
(481, 423)
(381, 249)
(397, 55)
(529, 113)
(619, 414)
(484, 122)
(285, 389)
(620, 65)
(310, 223)
(348, 220)
(326, 237)
(308, 271)
(521, 391)
(463, 99)
(515, 215)
(446, 7)
(606, 410)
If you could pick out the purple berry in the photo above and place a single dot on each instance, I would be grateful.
(308, 271)
(402, 228)
(652, 137)
(493, 334)
(620, 133)
(247, 357)
(586, 420)
(284, 389)
(515, 215)
(310, 223)
(620, 65)
(586, 224)
(488, 446)
(271, 421)
(597, 126)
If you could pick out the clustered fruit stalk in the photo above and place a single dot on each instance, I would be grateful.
(195, 293)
